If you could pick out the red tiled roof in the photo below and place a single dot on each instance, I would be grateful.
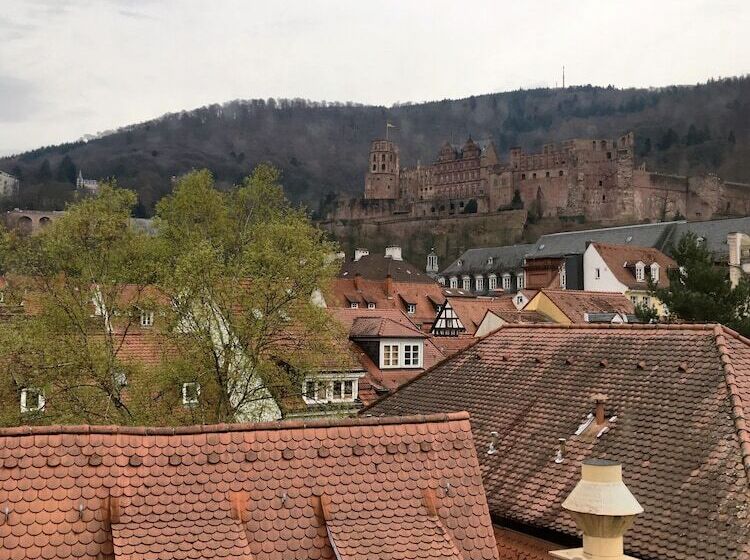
(471, 311)
(406, 488)
(362, 291)
(449, 345)
(576, 303)
(378, 267)
(617, 256)
(380, 327)
(678, 400)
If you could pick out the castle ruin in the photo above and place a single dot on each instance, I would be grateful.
(578, 179)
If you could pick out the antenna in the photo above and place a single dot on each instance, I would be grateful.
(563, 76)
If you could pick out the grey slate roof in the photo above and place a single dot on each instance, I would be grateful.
(474, 261)
(574, 242)
(714, 232)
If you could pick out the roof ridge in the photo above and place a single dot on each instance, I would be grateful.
(738, 410)
(239, 427)
(624, 326)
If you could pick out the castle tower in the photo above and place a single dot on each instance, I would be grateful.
(382, 180)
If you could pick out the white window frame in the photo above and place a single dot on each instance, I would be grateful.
(655, 272)
(506, 281)
(563, 278)
(479, 283)
(187, 399)
(520, 280)
(466, 283)
(341, 396)
(26, 406)
(492, 282)
(597, 273)
(353, 305)
(401, 353)
(640, 272)
(454, 282)
(441, 281)
(147, 318)
(411, 308)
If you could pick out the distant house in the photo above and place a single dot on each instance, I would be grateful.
(89, 185)
(346, 489)
(487, 271)
(669, 402)
(389, 348)
(568, 307)
(626, 269)
(387, 281)
(8, 184)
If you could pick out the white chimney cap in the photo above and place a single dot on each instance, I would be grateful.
(359, 253)
(393, 252)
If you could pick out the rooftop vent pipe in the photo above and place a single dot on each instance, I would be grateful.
(603, 509)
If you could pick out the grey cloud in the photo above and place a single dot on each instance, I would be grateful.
(18, 100)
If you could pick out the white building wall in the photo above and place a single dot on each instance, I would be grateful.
(607, 282)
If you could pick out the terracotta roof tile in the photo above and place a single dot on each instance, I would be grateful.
(406, 488)
(621, 260)
(369, 327)
(676, 411)
(576, 303)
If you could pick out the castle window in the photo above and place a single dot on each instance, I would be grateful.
(604, 198)
(523, 176)
(601, 183)
(547, 174)
(533, 175)
(609, 155)
(382, 157)
(374, 166)
(561, 173)
(382, 167)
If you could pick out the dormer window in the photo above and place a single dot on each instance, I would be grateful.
(640, 272)
(370, 305)
(353, 305)
(492, 282)
(506, 281)
(479, 282)
(519, 281)
(411, 308)
(191, 393)
(467, 282)
(459, 262)
(490, 261)
(407, 354)
(32, 400)
(655, 272)
(454, 282)
(147, 318)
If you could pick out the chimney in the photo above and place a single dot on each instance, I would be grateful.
(603, 509)
(599, 400)
(734, 246)
(359, 253)
(389, 286)
(357, 281)
(393, 252)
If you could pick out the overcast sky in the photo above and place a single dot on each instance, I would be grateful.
(69, 68)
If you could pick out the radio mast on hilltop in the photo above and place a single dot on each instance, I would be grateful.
(563, 76)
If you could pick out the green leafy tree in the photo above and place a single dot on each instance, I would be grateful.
(66, 171)
(241, 270)
(72, 290)
(700, 290)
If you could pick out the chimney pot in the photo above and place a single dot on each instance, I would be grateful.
(603, 509)
(359, 253)
(393, 252)
(599, 401)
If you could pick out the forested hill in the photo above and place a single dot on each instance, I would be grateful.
(322, 148)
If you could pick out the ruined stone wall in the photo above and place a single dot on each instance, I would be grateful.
(450, 235)
(736, 199)
(658, 197)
